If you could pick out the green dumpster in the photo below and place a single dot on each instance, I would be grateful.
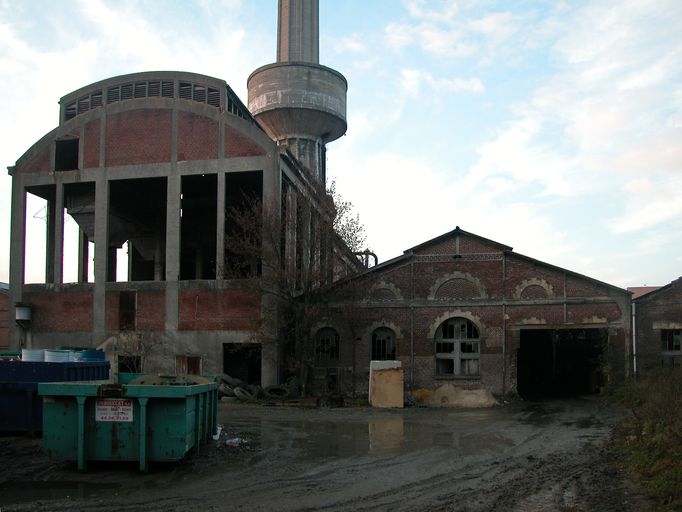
(139, 418)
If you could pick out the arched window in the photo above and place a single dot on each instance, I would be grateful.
(383, 344)
(457, 346)
(326, 346)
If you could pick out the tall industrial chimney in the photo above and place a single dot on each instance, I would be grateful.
(298, 102)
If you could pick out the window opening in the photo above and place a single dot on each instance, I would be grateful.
(457, 347)
(153, 89)
(671, 340)
(198, 226)
(243, 224)
(383, 345)
(127, 91)
(188, 365)
(66, 155)
(141, 89)
(326, 346)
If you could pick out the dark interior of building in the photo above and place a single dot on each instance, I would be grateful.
(243, 361)
(560, 362)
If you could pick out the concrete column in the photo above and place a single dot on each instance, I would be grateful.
(220, 228)
(50, 239)
(298, 31)
(290, 238)
(101, 255)
(58, 253)
(172, 249)
(17, 258)
(83, 256)
(272, 186)
(158, 258)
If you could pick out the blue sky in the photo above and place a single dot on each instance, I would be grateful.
(555, 128)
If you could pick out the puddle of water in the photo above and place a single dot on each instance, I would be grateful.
(390, 434)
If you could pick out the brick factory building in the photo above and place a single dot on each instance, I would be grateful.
(657, 331)
(464, 309)
(163, 163)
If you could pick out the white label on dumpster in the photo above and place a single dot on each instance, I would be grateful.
(114, 409)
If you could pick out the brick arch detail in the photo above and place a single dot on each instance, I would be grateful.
(367, 333)
(321, 325)
(534, 281)
(482, 294)
(383, 285)
(457, 313)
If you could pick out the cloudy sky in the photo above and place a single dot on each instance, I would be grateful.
(555, 128)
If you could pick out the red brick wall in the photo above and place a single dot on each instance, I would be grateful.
(60, 311)
(662, 309)
(150, 311)
(415, 319)
(238, 144)
(91, 144)
(219, 310)
(40, 162)
(197, 137)
(138, 137)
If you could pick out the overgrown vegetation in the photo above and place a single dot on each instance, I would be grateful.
(346, 221)
(652, 439)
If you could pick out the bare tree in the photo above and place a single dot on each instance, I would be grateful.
(347, 222)
(298, 292)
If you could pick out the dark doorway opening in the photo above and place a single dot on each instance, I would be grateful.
(560, 362)
(242, 361)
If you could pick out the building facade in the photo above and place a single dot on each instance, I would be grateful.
(464, 309)
(657, 327)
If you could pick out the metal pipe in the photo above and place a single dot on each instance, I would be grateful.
(634, 339)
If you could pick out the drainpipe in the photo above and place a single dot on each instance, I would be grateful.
(504, 324)
(634, 340)
(411, 324)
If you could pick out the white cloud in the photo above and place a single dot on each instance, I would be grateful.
(412, 79)
(650, 204)
(352, 43)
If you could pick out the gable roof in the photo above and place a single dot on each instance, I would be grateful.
(409, 253)
(455, 232)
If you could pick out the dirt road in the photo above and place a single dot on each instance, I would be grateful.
(520, 457)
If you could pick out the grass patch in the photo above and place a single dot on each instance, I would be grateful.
(651, 440)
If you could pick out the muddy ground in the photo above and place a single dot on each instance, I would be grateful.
(519, 457)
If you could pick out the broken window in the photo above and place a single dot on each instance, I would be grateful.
(457, 347)
(66, 155)
(188, 365)
(326, 346)
(383, 344)
(671, 340)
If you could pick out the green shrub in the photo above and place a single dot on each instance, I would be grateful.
(651, 439)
